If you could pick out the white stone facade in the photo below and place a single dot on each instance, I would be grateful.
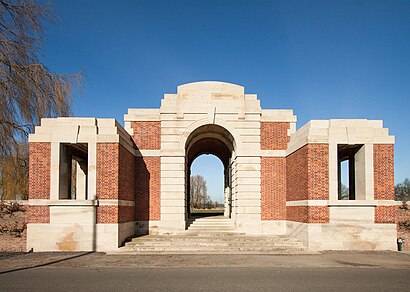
(217, 118)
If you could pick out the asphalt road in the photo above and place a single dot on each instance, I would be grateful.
(327, 271)
(206, 279)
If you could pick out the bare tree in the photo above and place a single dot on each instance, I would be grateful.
(28, 90)
(199, 192)
(402, 191)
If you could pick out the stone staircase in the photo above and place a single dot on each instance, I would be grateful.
(212, 235)
(211, 224)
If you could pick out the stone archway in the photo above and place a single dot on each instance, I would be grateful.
(216, 140)
(280, 181)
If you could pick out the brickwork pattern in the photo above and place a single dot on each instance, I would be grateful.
(385, 214)
(107, 170)
(39, 170)
(126, 214)
(308, 173)
(148, 188)
(115, 214)
(147, 135)
(273, 188)
(383, 159)
(126, 188)
(308, 214)
(274, 135)
(318, 214)
(297, 213)
(318, 172)
(107, 214)
(297, 175)
(38, 214)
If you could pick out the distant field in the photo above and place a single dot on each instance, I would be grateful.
(208, 212)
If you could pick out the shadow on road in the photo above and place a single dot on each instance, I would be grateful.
(47, 263)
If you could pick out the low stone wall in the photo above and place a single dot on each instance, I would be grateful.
(13, 231)
(403, 215)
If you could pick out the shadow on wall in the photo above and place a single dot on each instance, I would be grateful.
(142, 193)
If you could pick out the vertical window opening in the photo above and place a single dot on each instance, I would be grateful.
(350, 172)
(73, 171)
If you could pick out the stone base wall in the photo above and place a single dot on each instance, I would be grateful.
(344, 236)
(99, 237)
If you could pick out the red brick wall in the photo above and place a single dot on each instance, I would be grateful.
(383, 159)
(115, 214)
(107, 170)
(274, 135)
(318, 171)
(308, 173)
(307, 178)
(273, 188)
(297, 175)
(39, 170)
(318, 214)
(147, 135)
(385, 214)
(126, 214)
(115, 180)
(297, 213)
(38, 214)
(308, 214)
(126, 188)
(107, 214)
(148, 174)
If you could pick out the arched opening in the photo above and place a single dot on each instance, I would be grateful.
(207, 186)
(216, 140)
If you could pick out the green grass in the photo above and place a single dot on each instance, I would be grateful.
(206, 212)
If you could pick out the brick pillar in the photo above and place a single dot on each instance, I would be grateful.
(39, 181)
(274, 136)
(383, 164)
(308, 179)
(147, 136)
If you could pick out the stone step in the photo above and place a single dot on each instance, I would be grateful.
(189, 244)
(210, 229)
(212, 239)
(213, 244)
(210, 219)
(212, 223)
(218, 250)
(213, 235)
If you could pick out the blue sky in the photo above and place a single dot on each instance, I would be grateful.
(323, 59)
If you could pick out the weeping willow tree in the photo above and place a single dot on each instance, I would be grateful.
(28, 90)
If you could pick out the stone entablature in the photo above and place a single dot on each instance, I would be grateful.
(278, 180)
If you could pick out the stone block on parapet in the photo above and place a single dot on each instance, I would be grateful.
(68, 121)
(142, 115)
(276, 115)
(211, 86)
(251, 97)
(341, 131)
(252, 106)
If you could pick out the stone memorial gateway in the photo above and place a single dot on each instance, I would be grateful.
(93, 183)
